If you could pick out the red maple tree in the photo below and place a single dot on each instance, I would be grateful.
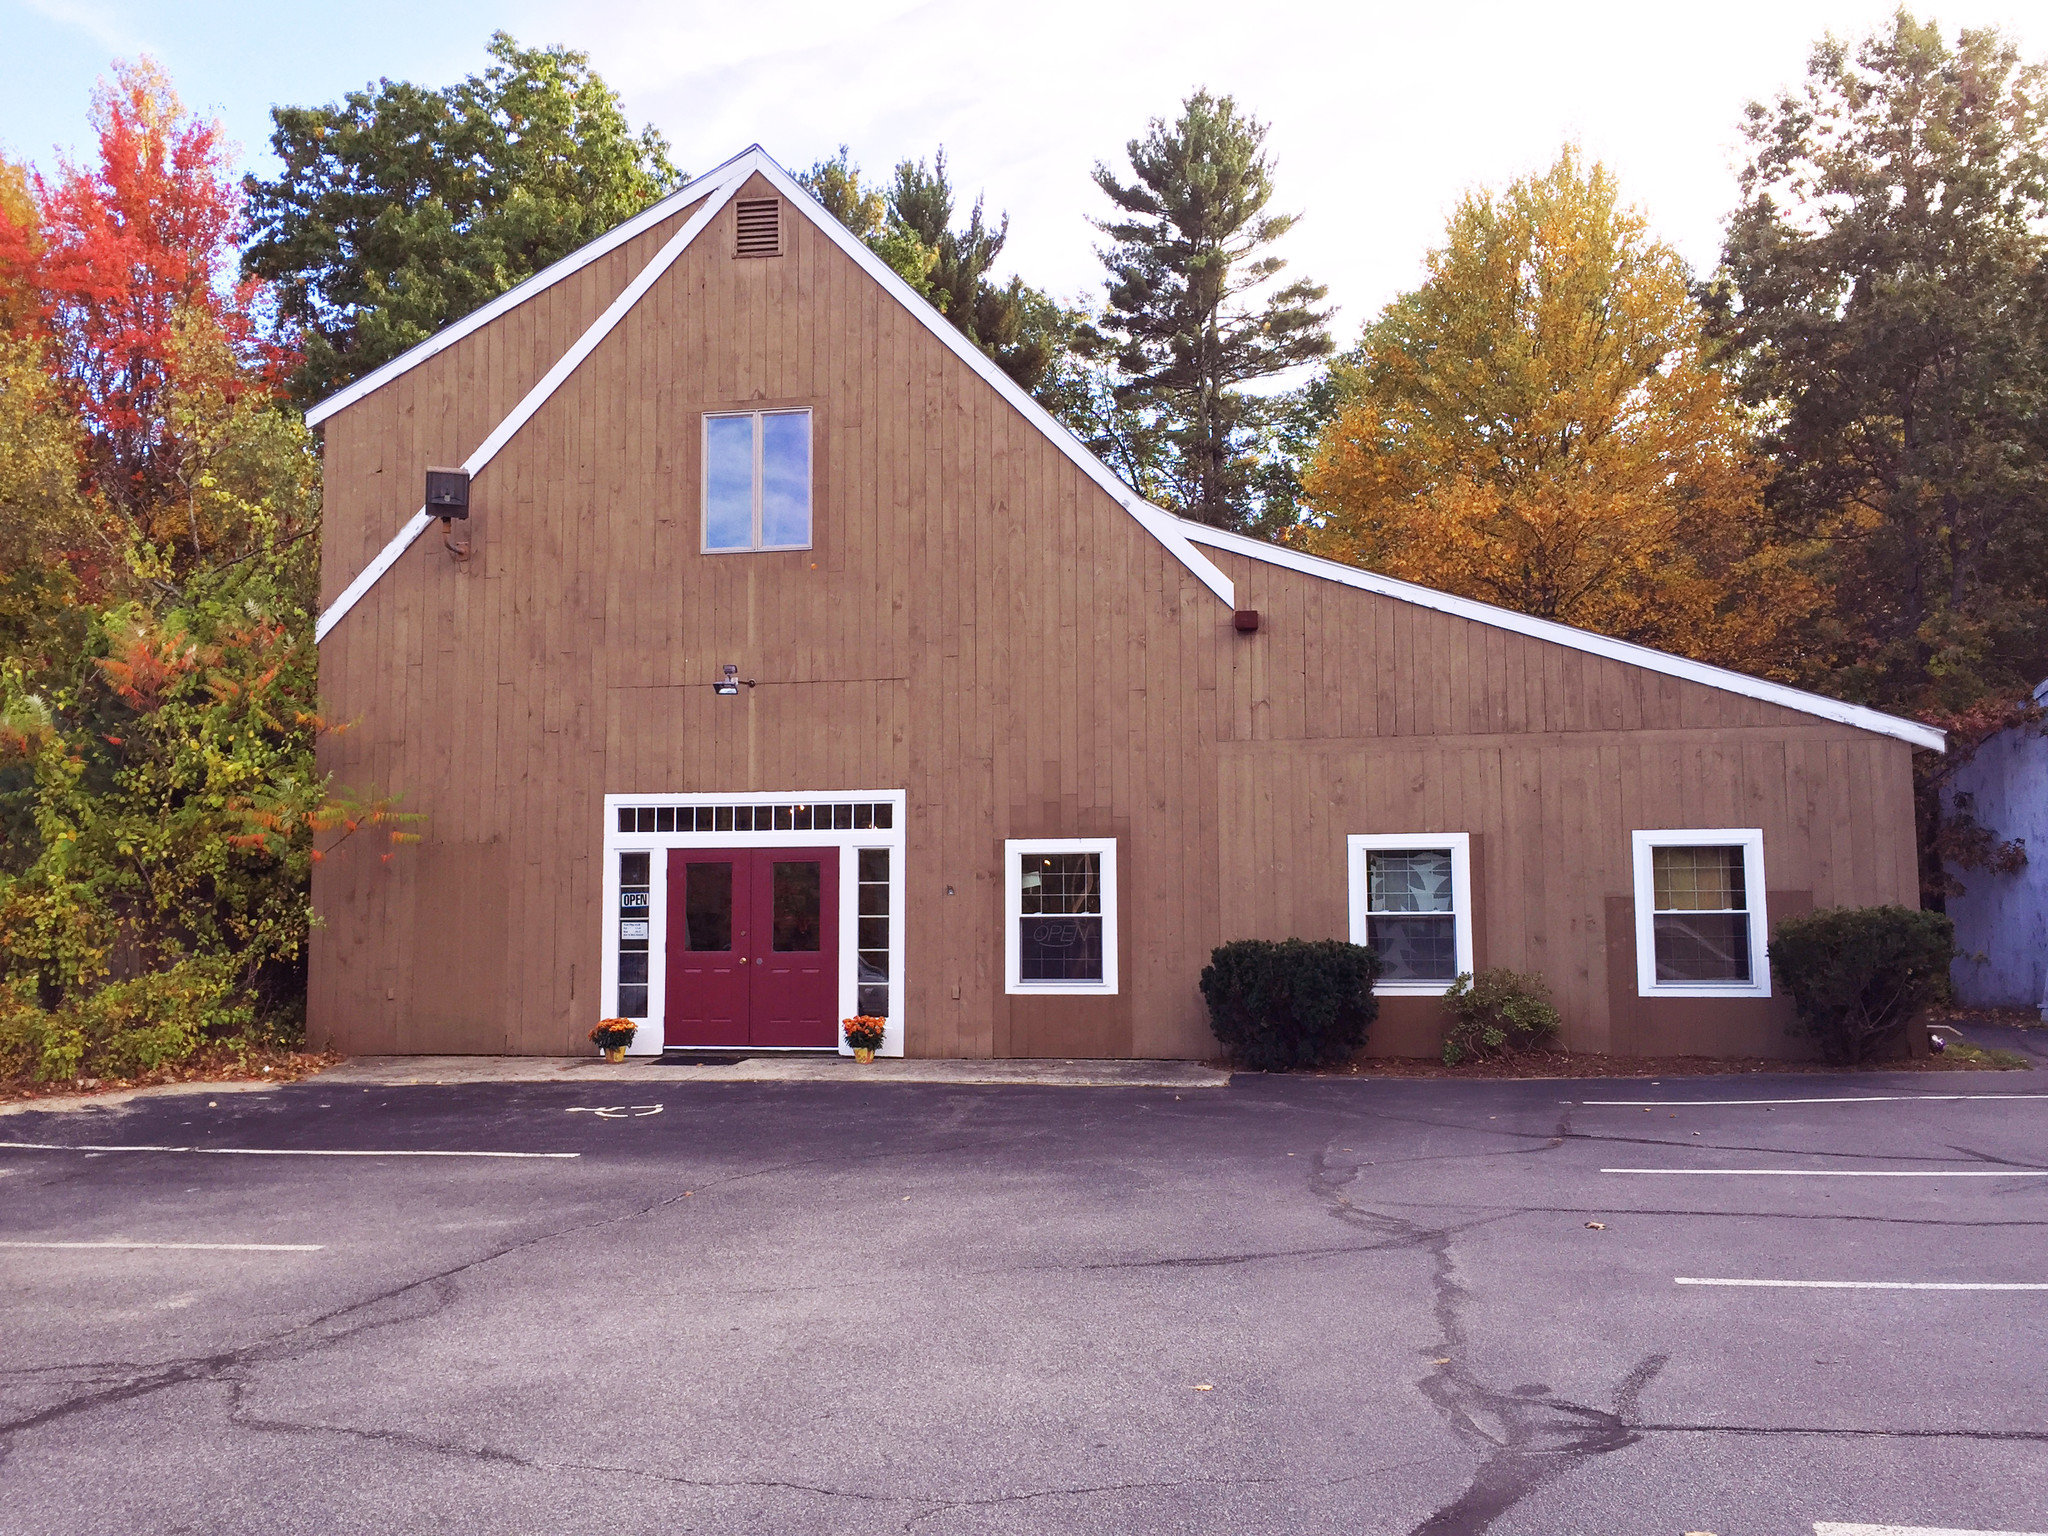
(120, 252)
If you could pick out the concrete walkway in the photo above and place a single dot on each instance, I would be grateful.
(805, 1068)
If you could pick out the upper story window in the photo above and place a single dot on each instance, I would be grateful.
(757, 480)
(1700, 921)
(1411, 900)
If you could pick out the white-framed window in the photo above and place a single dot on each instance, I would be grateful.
(757, 480)
(1059, 914)
(1411, 900)
(1701, 926)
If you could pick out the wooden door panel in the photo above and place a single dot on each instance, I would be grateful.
(795, 970)
(710, 938)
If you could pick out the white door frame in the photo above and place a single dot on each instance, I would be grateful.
(849, 841)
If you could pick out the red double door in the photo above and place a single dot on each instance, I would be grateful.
(753, 947)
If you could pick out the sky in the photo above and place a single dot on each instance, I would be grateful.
(1381, 115)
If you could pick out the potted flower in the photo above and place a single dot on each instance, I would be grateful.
(612, 1036)
(864, 1034)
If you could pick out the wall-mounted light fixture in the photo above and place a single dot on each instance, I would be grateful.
(448, 493)
(730, 683)
(1245, 621)
(448, 499)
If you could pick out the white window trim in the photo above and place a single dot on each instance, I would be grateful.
(650, 1037)
(1358, 844)
(1013, 903)
(1751, 841)
(704, 480)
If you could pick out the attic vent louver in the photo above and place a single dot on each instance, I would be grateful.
(760, 227)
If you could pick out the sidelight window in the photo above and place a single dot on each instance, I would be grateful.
(872, 936)
(757, 481)
(633, 920)
(1411, 900)
(1700, 920)
(1060, 927)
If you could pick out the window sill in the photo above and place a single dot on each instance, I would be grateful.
(1410, 988)
(1060, 989)
(1705, 989)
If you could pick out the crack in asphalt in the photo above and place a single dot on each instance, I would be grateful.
(951, 1506)
(925, 1506)
(328, 1329)
(1523, 1438)
(1562, 1132)
(1745, 1215)
(2035, 1436)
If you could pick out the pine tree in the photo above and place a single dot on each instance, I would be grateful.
(1186, 268)
(910, 226)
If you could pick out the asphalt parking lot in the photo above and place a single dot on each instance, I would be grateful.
(1741, 1306)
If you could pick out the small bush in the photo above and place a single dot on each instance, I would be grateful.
(126, 1027)
(1857, 975)
(1297, 1003)
(1497, 1013)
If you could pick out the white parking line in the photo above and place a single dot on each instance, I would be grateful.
(61, 1146)
(1852, 1173)
(206, 1247)
(1836, 1528)
(1873, 1098)
(1880, 1285)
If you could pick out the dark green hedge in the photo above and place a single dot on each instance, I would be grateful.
(1857, 975)
(1296, 1003)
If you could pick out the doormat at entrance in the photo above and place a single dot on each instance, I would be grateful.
(701, 1058)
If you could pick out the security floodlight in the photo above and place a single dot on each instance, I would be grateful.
(448, 493)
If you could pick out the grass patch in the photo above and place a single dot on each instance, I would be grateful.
(1968, 1056)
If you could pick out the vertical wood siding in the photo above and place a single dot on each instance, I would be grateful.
(977, 624)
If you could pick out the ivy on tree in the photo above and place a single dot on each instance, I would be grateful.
(1185, 302)
(403, 207)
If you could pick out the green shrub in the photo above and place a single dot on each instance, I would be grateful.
(1297, 1003)
(127, 1027)
(1497, 1013)
(1857, 975)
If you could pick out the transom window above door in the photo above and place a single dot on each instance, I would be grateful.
(1411, 900)
(757, 480)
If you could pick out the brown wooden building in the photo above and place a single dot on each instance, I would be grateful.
(792, 663)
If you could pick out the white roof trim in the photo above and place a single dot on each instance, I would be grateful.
(1577, 639)
(691, 191)
(536, 397)
(1163, 526)
(718, 185)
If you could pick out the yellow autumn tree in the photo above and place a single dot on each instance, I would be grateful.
(1539, 426)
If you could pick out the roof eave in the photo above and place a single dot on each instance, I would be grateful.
(1927, 737)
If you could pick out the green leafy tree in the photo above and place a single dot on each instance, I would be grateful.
(836, 183)
(1884, 294)
(403, 207)
(1188, 300)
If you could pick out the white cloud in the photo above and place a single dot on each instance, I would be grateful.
(1381, 114)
